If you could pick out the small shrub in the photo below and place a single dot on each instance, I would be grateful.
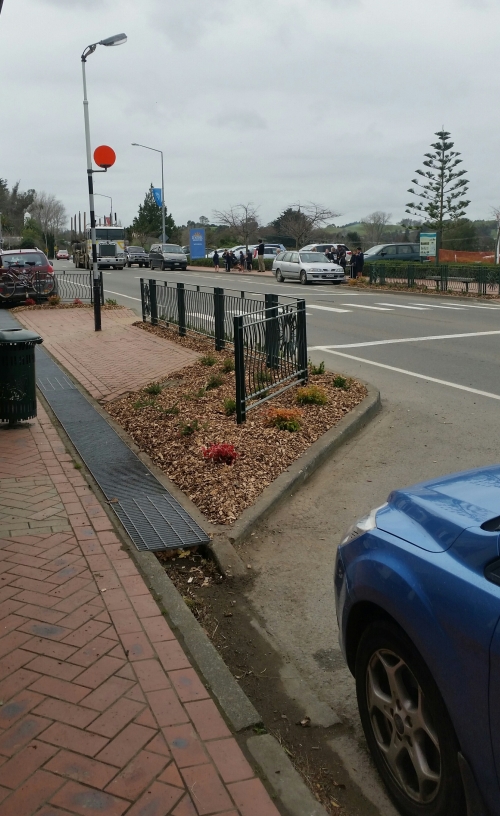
(54, 300)
(341, 382)
(208, 360)
(154, 388)
(30, 302)
(173, 411)
(229, 406)
(215, 381)
(77, 302)
(228, 365)
(311, 395)
(143, 404)
(263, 376)
(286, 419)
(316, 370)
(111, 302)
(223, 453)
(189, 428)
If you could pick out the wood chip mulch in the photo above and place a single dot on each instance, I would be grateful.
(222, 492)
(46, 307)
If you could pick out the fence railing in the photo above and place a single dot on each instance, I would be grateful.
(471, 279)
(200, 309)
(270, 354)
(71, 286)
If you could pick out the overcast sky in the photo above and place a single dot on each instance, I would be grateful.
(269, 101)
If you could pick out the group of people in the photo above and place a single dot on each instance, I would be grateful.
(242, 262)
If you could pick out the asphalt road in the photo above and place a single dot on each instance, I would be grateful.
(435, 361)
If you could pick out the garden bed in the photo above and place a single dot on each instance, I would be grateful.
(176, 420)
(32, 307)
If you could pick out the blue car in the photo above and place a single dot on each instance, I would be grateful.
(417, 586)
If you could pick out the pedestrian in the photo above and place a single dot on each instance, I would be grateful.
(241, 265)
(216, 259)
(341, 257)
(260, 255)
(227, 259)
(249, 260)
(359, 262)
(329, 254)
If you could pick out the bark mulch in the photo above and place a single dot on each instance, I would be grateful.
(174, 426)
(33, 307)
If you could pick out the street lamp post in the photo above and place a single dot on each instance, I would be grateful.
(117, 39)
(111, 205)
(135, 144)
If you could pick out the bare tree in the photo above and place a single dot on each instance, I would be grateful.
(374, 226)
(300, 220)
(241, 219)
(49, 213)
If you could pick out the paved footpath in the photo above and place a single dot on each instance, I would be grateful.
(100, 709)
(109, 363)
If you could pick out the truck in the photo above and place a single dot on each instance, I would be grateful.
(110, 243)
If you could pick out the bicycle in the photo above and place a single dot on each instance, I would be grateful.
(11, 281)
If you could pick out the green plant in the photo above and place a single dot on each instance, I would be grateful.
(200, 393)
(316, 370)
(173, 411)
(228, 365)
(341, 382)
(263, 376)
(215, 381)
(208, 360)
(229, 406)
(286, 419)
(143, 404)
(223, 453)
(54, 300)
(154, 388)
(311, 395)
(189, 428)
(77, 465)
(111, 302)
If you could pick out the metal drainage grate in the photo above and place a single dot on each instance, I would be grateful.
(158, 522)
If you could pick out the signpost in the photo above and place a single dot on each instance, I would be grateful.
(429, 245)
(197, 247)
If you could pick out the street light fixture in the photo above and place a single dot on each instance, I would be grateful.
(111, 205)
(163, 237)
(117, 39)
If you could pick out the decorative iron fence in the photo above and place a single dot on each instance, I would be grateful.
(270, 353)
(71, 286)
(480, 279)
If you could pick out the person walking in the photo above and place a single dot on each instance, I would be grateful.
(249, 260)
(227, 260)
(241, 264)
(341, 257)
(359, 262)
(260, 255)
(216, 259)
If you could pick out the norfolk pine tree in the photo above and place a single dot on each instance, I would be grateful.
(443, 188)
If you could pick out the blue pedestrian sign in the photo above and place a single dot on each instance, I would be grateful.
(197, 243)
(157, 195)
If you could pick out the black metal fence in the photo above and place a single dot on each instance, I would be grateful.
(71, 286)
(480, 279)
(270, 353)
(267, 331)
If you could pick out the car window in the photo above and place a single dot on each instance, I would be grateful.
(171, 248)
(24, 259)
(135, 249)
(313, 257)
(295, 257)
(287, 256)
(404, 249)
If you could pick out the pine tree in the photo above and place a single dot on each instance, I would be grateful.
(148, 220)
(443, 188)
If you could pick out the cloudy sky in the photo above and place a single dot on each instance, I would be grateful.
(269, 101)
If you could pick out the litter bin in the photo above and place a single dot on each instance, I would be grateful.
(17, 374)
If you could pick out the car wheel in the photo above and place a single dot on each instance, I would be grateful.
(163, 266)
(406, 725)
(183, 268)
(303, 278)
(279, 276)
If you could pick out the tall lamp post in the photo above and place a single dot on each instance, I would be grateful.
(117, 39)
(111, 205)
(135, 144)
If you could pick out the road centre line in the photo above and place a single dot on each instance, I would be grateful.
(441, 306)
(473, 306)
(412, 374)
(326, 308)
(401, 306)
(109, 292)
(404, 340)
(363, 306)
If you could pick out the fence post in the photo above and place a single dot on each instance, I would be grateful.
(239, 369)
(181, 309)
(444, 278)
(219, 318)
(143, 304)
(302, 341)
(153, 302)
(91, 283)
(102, 288)
(271, 329)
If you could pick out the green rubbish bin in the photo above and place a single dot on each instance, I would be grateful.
(17, 374)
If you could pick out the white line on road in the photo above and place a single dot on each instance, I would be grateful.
(109, 292)
(404, 340)
(400, 306)
(326, 308)
(413, 374)
(363, 306)
(440, 306)
(473, 306)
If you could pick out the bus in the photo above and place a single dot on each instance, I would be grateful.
(110, 249)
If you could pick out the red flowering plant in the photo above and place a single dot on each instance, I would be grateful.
(223, 453)
(30, 302)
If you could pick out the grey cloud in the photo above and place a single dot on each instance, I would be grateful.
(238, 120)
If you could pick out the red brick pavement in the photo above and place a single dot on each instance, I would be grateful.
(101, 711)
(109, 363)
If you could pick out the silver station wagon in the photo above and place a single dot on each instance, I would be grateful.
(307, 267)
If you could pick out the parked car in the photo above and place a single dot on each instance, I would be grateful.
(19, 261)
(270, 251)
(62, 255)
(393, 252)
(325, 247)
(417, 588)
(306, 267)
(167, 256)
(136, 255)
(220, 251)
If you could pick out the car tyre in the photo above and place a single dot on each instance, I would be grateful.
(163, 266)
(184, 268)
(407, 728)
(279, 276)
(303, 278)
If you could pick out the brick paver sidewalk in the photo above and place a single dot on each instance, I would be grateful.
(109, 363)
(101, 712)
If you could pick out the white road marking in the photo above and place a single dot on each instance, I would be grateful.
(413, 374)
(363, 306)
(109, 292)
(400, 306)
(405, 340)
(326, 308)
(439, 306)
(473, 306)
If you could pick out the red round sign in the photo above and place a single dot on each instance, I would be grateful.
(104, 156)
